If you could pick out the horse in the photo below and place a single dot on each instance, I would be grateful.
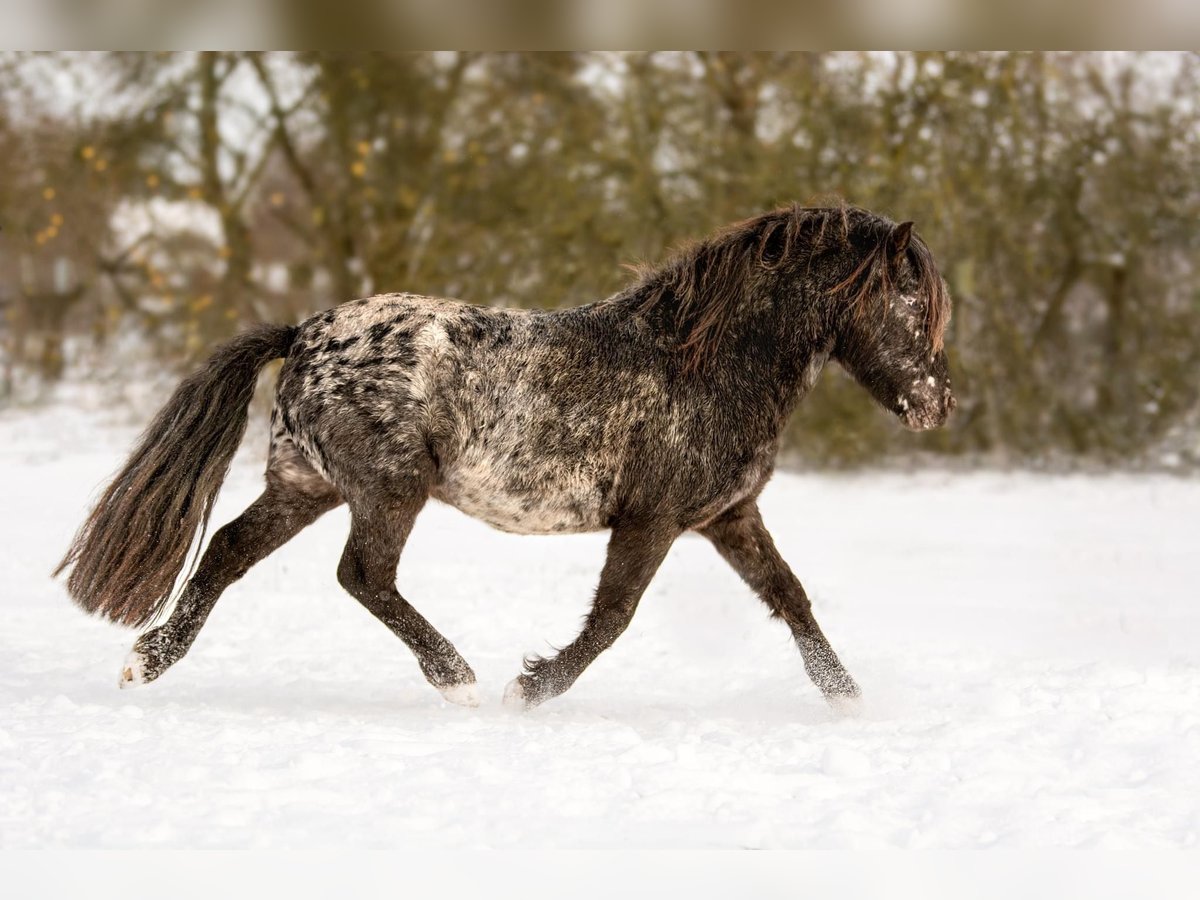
(654, 412)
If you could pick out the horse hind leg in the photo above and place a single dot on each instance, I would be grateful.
(295, 497)
(379, 527)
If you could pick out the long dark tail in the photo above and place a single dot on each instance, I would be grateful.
(127, 555)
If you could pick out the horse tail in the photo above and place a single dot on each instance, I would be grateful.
(129, 552)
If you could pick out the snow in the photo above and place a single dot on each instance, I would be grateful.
(1027, 646)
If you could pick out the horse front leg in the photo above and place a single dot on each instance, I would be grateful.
(634, 555)
(743, 540)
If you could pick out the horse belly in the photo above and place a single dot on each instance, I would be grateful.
(517, 499)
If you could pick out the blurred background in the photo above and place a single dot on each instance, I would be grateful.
(152, 204)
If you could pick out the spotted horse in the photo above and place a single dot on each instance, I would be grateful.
(654, 412)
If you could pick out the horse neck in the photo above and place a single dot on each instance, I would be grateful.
(768, 363)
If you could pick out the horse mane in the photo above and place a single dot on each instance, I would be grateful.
(708, 281)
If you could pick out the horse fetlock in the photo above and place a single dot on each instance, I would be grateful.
(152, 654)
(841, 692)
(835, 681)
(532, 688)
(454, 679)
(826, 670)
(527, 691)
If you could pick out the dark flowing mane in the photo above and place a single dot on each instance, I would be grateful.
(707, 282)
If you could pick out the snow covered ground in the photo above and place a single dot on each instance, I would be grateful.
(1029, 648)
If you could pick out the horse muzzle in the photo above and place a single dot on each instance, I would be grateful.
(927, 413)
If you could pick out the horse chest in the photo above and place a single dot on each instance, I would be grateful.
(738, 484)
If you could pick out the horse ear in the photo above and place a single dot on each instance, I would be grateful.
(898, 241)
(773, 245)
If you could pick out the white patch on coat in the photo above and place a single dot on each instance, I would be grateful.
(514, 695)
(461, 694)
(558, 493)
(477, 484)
(352, 319)
(430, 345)
(812, 372)
(133, 672)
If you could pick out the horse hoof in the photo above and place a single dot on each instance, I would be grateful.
(463, 694)
(134, 672)
(847, 706)
(514, 696)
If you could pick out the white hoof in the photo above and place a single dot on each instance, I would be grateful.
(461, 694)
(514, 695)
(846, 706)
(133, 672)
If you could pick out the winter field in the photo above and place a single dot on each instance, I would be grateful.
(1029, 649)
